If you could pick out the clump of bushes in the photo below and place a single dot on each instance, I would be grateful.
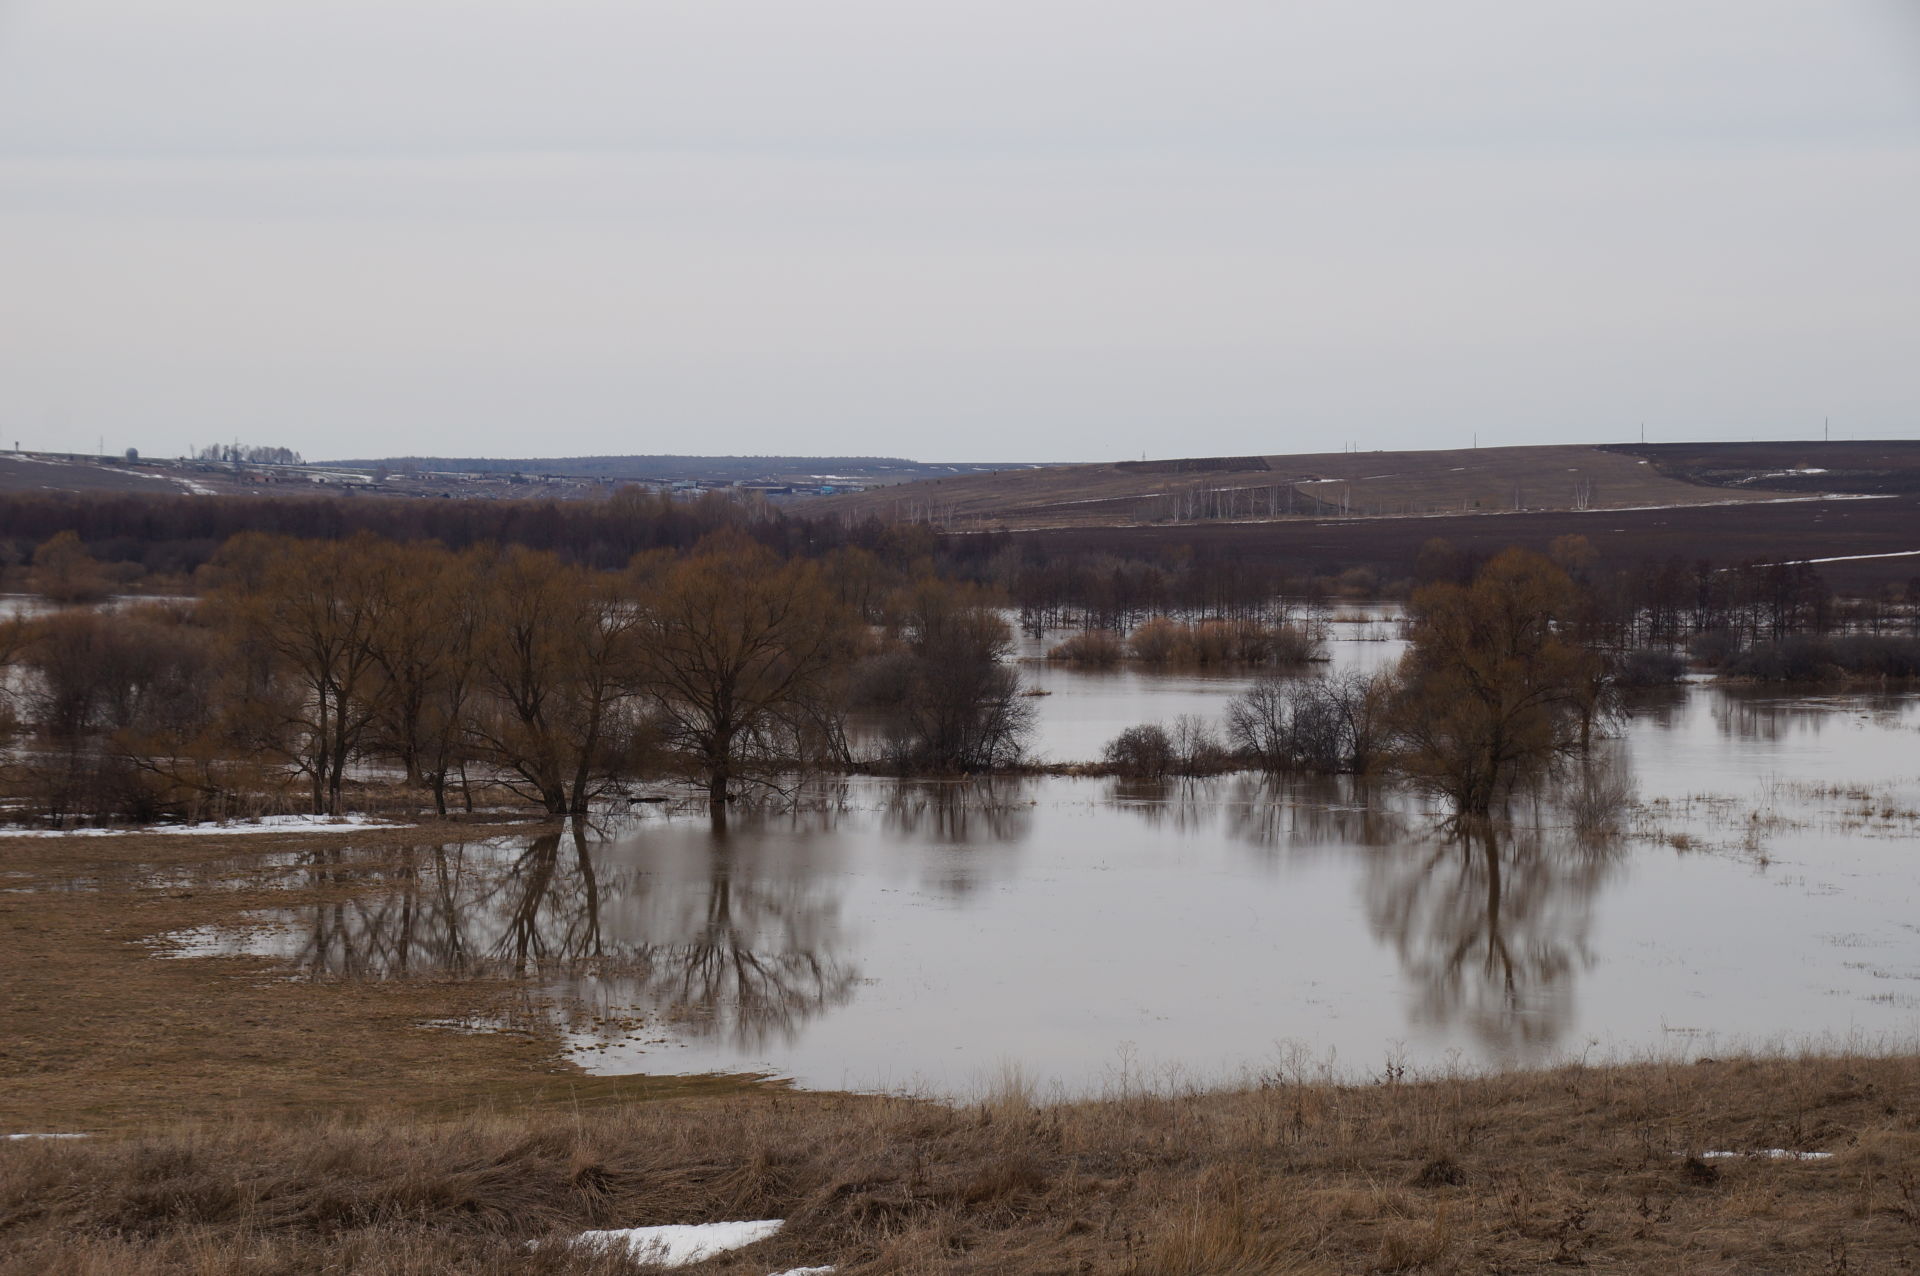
(1714, 647)
(1096, 648)
(1819, 658)
(1329, 725)
(1153, 752)
(1649, 667)
(1222, 642)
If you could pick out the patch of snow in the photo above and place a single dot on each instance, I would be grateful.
(265, 824)
(77, 1136)
(200, 941)
(1842, 558)
(1768, 1154)
(1755, 478)
(196, 489)
(677, 1244)
(804, 1271)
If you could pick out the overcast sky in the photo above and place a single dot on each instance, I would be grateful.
(1039, 230)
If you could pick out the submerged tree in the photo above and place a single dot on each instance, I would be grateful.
(557, 668)
(1492, 686)
(946, 699)
(306, 610)
(739, 651)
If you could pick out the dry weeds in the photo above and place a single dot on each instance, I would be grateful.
(1518, 1173)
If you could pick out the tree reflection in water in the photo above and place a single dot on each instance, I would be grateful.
(753, 956)
(1491, 926)
(1274, 812)
(987, 822)
(728, 951)
(457, 910)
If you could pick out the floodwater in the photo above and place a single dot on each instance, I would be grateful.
(884, 935)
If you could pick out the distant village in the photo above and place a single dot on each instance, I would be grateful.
(231, 471)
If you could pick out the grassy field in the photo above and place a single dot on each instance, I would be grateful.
(243, 1122)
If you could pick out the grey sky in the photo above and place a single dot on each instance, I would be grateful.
(1036, 230)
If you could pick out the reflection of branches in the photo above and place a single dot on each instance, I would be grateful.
(984, 822)
(745, 956)
(1490, 931)
(1271, 812)
(754, 959)
(959, 813)
(456, 911)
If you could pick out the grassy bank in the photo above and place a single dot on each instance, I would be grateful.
(242, 1122)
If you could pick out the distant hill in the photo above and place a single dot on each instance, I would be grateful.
(1504, 480)
(866, 470)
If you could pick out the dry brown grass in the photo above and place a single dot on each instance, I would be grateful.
(247, 1124)
(1520, 1173)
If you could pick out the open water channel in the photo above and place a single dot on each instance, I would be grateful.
(1765, 891)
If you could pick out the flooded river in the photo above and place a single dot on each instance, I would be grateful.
(928, 937)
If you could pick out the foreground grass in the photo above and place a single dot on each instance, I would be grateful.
(1586, 1167)
(245, 1123)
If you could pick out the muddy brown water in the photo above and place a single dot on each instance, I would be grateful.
(1093, 933)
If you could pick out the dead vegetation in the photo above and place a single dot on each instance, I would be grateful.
(1586, 1167)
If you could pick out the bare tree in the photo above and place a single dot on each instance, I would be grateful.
(739, 651)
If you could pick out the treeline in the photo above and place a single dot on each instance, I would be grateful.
(311, 664)
(248, 454)
(1628, 605)
(176, 535)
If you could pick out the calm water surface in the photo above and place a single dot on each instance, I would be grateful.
(899, 935)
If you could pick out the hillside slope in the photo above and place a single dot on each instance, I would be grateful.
(1381, 484)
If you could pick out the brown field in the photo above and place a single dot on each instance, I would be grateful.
(97, 1033)
(1371, 484)
(21, 475)
(247, 1123)
(1723, 534)
(1880, 466)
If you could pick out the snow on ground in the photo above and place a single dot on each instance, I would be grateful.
(678, 1244)
(1845, 558)
(265, 824)
(1768, 1154)
(48, 1136)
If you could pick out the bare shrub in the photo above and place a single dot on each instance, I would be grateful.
(1332, 724)
(1196, 746)
(1097, 648)
(1142, 752)
(1157, 642)
(1151, 751)
(1649, 667)
(1714, 647)
(1220, 643)
(64, 572)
